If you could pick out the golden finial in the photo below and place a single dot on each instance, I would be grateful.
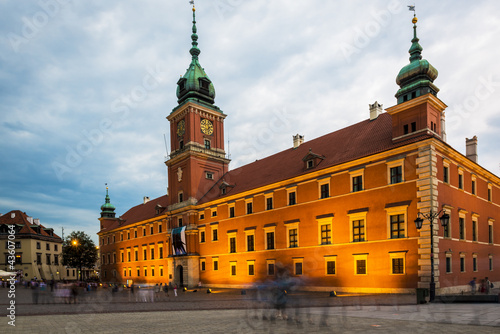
(192, 3)
(414, 20)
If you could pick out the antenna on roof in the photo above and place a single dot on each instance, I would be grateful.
(228, 149)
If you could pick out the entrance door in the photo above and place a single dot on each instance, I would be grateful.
(179, 273)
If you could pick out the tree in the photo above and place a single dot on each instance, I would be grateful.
(79, 251)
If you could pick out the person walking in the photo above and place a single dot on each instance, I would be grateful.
(487, 285)
(473, 286)
(175, 290)
(165, 289)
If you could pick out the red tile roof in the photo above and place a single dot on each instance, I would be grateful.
(140, 213)
(353, 142)
(20, 218)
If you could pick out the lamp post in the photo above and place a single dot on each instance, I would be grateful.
(445, 218)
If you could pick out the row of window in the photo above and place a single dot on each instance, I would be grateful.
(145, 272)
(397, 229)
(460, 181)
(48, 258)
(396, 226)
(397, 265)
(111, 258)
(112, 239)
(39, 246)
(463, 262)
(462, 228)
(395, 176)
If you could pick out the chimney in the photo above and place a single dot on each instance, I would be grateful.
(297, 140)
(146, 199)
(12, 215)
(471, 148)
(375, 110)
(36, 221)
(30, 219)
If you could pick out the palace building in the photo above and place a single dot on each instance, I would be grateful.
(339, 211)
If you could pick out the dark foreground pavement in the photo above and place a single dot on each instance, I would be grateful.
(228, 311)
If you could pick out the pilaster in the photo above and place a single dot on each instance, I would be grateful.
(427, 201)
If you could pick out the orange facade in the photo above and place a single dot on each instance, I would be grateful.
(337, 212)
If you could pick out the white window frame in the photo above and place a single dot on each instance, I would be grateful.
(268, 262)
(269, 229)
(490, 223)
(291, 226)
(229, 236)
(446, 164)
(214, 260)
(353, 174)
(358, 257)
(179, 194)
(325, 221)
(397, 255)
(330, 258)
(473, 182)
(295, 261)
(449, 210)
(462, 214)
(266, 196)
(474, 259)
(352, 218)
(203, 264)
(247, 233)
(397, 210)
(291, 190)
(322, 182)
(231, 265)
(250, 263)
(249, 200)
(396, 163)
(214, 227)
(461, 172)
(202, 229)
(448, 255)
(475, 221)
(232, 205)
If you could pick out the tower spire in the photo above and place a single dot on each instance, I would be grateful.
(107, 209)
(195, 84)
(195, 51)
(416, 78)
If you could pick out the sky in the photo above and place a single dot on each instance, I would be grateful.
(85, 86)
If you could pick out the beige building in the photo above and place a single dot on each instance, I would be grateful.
(37, 249)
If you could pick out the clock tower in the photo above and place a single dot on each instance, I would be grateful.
(197, 159)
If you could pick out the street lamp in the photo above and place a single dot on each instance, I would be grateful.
(445, 219)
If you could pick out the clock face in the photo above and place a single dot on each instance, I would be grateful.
(206, 127)
(181, 128)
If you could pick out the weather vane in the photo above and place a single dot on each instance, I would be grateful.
(191, 2)
(410, 8)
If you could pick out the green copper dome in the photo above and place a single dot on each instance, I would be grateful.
(416, 78)
(107, 209)
(195, 84)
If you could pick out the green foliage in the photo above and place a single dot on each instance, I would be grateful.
(79, 251)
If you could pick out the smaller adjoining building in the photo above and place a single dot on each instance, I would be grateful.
(38, 250)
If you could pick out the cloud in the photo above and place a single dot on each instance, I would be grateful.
(89, 89)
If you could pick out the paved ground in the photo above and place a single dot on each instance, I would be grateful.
(227, 311)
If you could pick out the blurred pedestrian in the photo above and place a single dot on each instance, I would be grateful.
(34, 291)
(175, 290)
(488, 285)
(473, 286)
